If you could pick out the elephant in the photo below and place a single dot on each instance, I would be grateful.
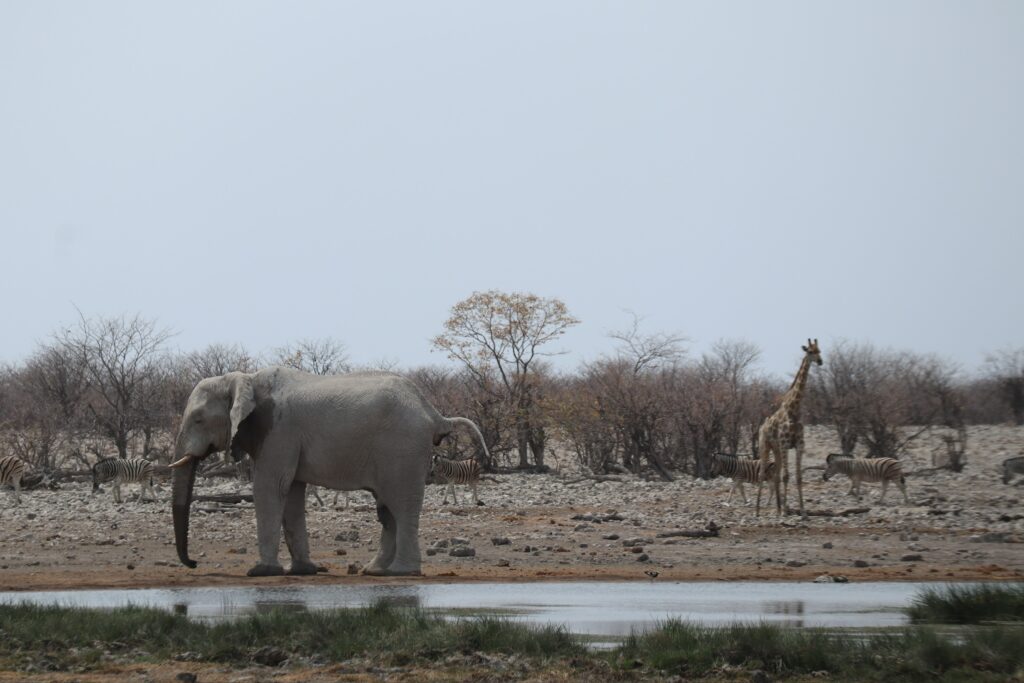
(369, 431)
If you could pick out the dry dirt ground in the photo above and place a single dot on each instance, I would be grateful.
(958, 526)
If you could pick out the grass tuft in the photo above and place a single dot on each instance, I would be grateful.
(972, 603)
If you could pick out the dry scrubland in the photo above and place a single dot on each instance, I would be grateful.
(962, 526)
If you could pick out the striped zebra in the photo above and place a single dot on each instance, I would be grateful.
(12, 469)
(741, 470)
(1012, 466)
(316, 494)
(866, 469)
(124, 472)
(457, 472)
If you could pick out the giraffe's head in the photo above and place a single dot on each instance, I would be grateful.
(812, 351)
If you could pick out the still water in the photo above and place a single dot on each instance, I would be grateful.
(597, 608)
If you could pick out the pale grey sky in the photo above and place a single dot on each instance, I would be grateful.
(260, 172)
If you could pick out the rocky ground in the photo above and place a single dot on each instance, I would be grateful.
(958, 526)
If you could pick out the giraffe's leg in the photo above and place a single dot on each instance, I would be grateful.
(762, 454)
(800, 477)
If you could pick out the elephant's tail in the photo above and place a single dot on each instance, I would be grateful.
(452, 421)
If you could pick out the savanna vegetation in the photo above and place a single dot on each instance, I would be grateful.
(38, 638)
(649, 405)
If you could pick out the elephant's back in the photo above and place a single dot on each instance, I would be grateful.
(389, 401)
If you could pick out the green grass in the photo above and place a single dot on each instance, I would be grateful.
(914, 654)
(76, 637)
(972, 603)
(34, 638)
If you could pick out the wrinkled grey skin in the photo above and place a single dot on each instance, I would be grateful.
(347, 432)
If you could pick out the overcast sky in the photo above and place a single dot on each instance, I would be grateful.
(260, 172)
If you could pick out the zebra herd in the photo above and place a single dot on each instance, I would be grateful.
(741, 470)
(137, 470)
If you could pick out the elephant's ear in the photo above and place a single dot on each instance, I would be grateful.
(242, 401)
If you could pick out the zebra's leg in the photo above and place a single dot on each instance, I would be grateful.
(472, 487)
(295, 536)
(316, 494)
(743, 492)
(17, 490)
(885, 486)
(117, 491)
(903, 487)
(732, 492)
(455, 495)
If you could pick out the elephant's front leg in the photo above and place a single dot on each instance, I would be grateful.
(295, 530)
(269, 498)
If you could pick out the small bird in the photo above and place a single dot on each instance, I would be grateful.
(651, 573)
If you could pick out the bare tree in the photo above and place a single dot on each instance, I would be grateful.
(507, 333)
(1006, 368)
(325, 356)
(122, 358)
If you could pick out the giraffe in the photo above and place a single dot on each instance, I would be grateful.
(784, 430)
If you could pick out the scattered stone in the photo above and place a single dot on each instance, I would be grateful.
(186, 677)
(611, 537)
(341, 551)
(759, 676)
(347, 536)
(32, 515)
(911, 557)
(643, 558)
(827, 545)
(861, 563)
(636, 549)
(796, 563)
(431, 552)
(459, 541)
(354, 568)
(440, 543)
(130, 567)
(500, 540)
(503, 563)
(238, 551)
(462, 551)
(583, 527)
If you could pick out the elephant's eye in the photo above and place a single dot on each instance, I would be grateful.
(198, 419)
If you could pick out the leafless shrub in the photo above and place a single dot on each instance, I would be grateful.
(1005, 369)
(317, 356)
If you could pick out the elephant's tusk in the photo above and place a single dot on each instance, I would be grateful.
(183, 461)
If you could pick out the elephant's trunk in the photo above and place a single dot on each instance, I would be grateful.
(184, 479)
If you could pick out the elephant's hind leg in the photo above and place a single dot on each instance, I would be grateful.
(295, 535)
(407, 560)
(386, 554)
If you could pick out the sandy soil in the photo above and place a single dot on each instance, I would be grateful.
(962, 526)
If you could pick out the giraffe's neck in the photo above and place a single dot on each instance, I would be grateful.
(791, 402)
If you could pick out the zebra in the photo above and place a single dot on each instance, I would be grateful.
(124, 471)
(1012, 466)
(12, 469)
(866, 469)
(457, 472)
(741, 470)
(316, 494)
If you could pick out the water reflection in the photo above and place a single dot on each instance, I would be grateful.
(584, 607)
